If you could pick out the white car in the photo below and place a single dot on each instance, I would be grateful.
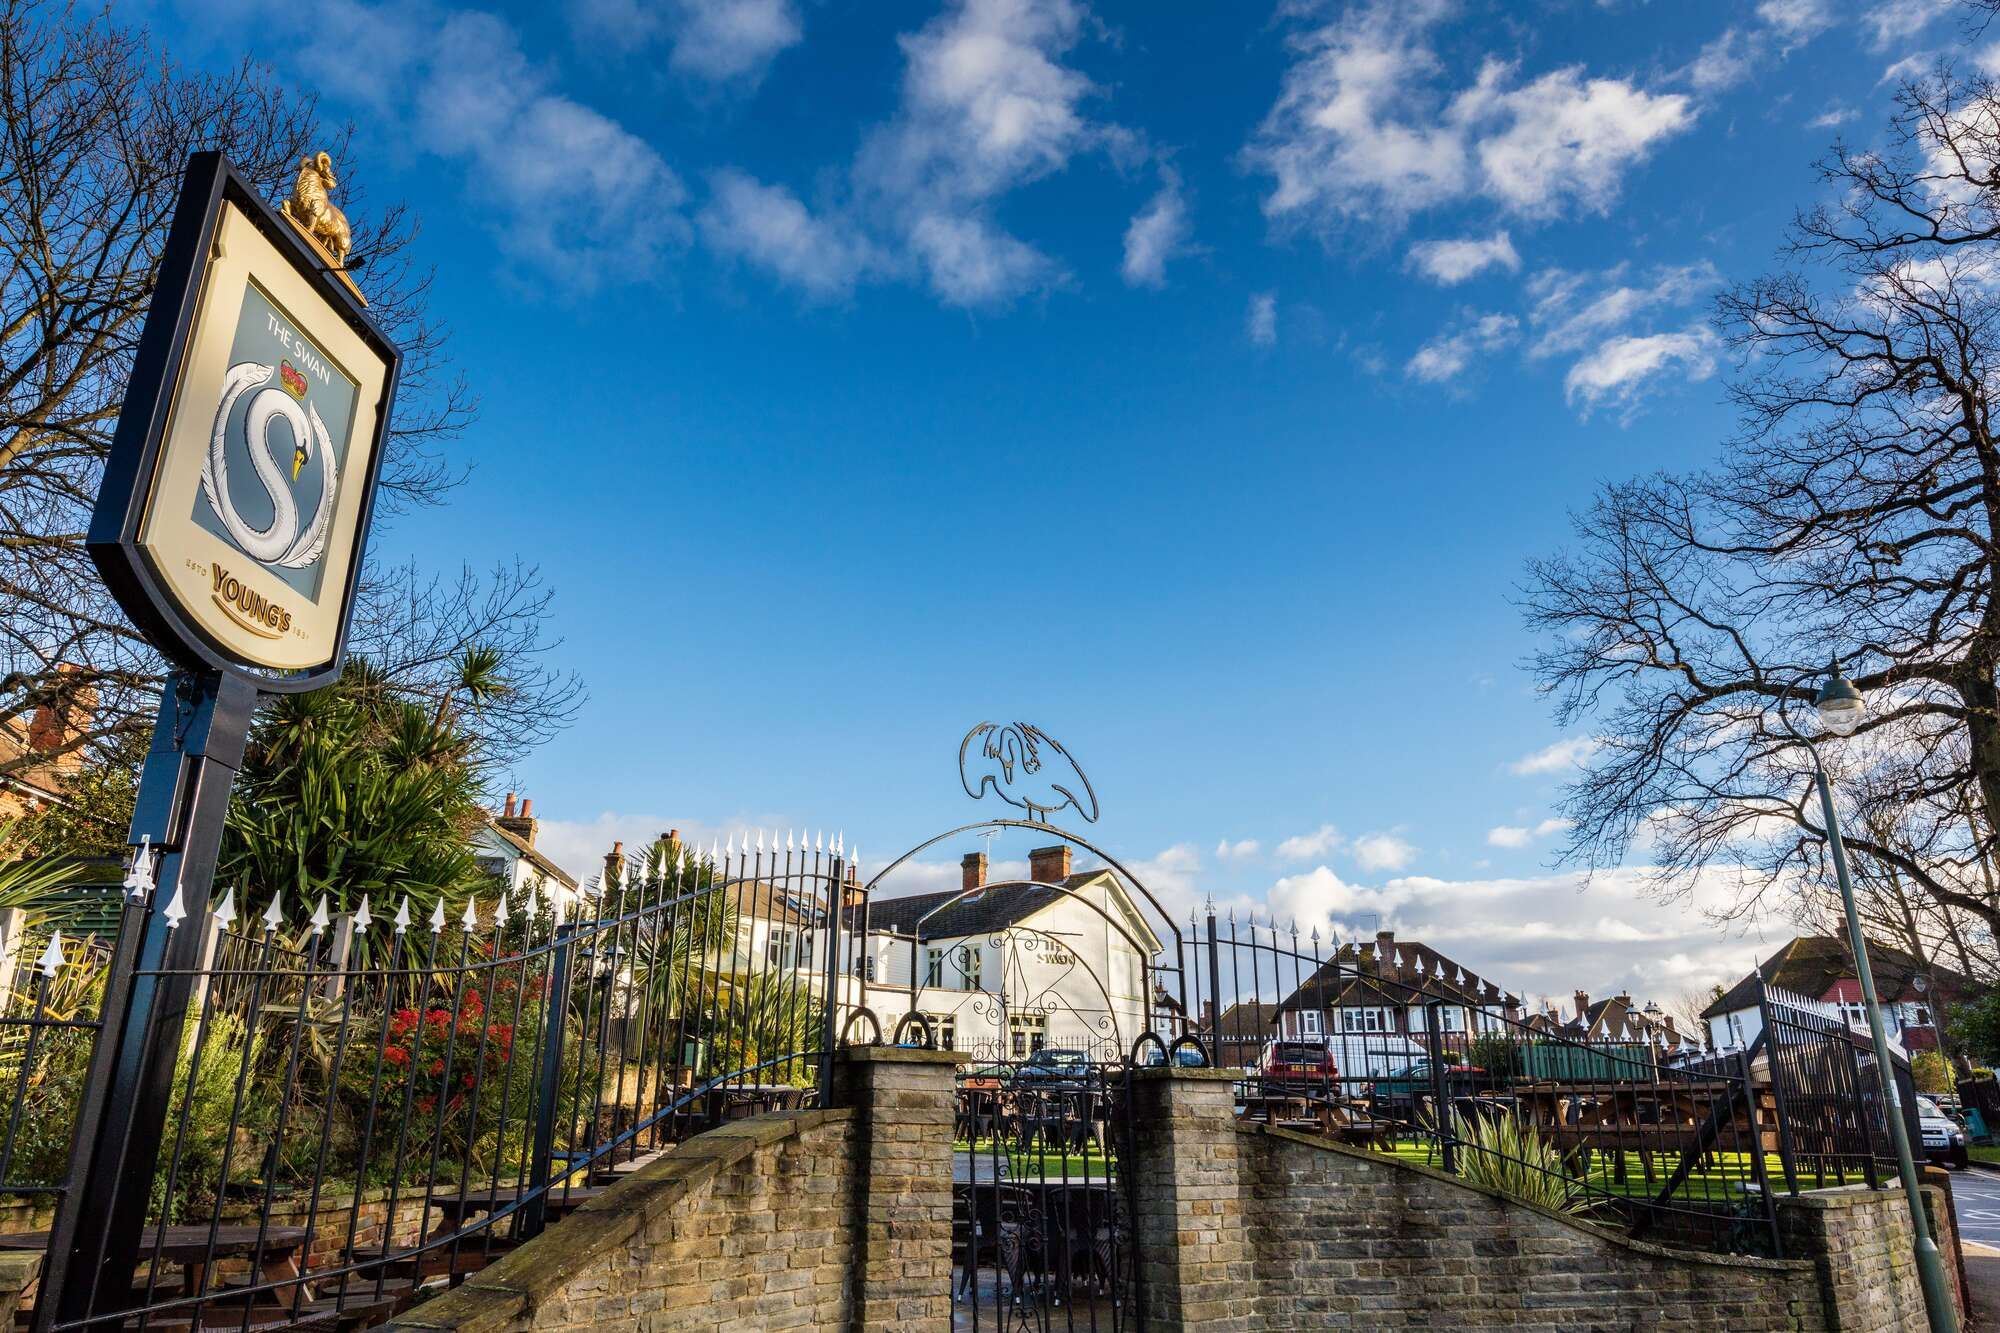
(1944, 1141)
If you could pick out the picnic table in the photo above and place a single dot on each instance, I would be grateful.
(274, 1251)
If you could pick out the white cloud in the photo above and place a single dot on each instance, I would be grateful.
(1556, 757)
(1451, 262)
(768, 226)
(1514, 835)
(1306, 846)
(1833, 117)
(1572, 312)
(1360, 128)
(1623, 370)
(1241, 850)
(1158, 232)
(561, 187)
(1724, 62)
(1916, 66)
(1383, 851)
(1447, 356)
(987, 107)
(1796, 21)
(1260, 325)
(716, 40)
(1891, 21)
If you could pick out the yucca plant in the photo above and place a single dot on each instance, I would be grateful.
(1508, 1155)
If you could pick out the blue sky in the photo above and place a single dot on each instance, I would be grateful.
(1192, 381)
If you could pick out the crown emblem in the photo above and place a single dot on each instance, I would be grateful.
(295, 383)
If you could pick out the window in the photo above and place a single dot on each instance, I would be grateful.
(1854, 1013)
(953, 969)
(1365, 1020)
(1309, 1022)
(786, 948)
(1921, 1015)
(865, 968)
(1450, 1018)
(1026, 1034)
(946, 1028)
(934, 967)
(965, 961)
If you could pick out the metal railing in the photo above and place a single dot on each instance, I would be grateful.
(1391, 1048)
(359, 1107)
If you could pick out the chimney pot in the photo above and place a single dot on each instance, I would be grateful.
(1049, 865)
(1385, 938)
(1582, 1002)
(527, 807)
(972, 871)
(508, 810)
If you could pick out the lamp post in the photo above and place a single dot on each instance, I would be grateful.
(1841, 708)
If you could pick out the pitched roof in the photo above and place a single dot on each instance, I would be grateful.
(1811, 964)
(993, 908)
(527, 852)
(1361, 974)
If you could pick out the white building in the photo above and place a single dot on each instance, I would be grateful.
(1001, 970)
(505, 848)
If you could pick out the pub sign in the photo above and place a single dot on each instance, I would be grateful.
(235, 505)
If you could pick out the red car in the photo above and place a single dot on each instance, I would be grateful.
(1297, 1062)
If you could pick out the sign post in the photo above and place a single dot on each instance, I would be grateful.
(230, 526)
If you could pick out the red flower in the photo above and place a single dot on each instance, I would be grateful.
(396, 1055)
(437, 1067)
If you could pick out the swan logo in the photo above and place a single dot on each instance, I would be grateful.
(271, 466)
(1025, 767)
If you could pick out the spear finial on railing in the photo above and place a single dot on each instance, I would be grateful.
(500, 914)
(51, 960)
(139, 881)
(320, 919)
(226, 912)
(403, 915)
(176, 908)
(470, 921)
(362, 918)
(437, 918)
(274, 915)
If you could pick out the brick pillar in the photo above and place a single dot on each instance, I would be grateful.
(1190, 1230)
(907, 1101)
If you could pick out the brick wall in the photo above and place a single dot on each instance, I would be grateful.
(1250, 1228)
(749, 1226)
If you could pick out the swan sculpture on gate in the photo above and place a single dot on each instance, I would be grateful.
(284, 543)
(1027, 768)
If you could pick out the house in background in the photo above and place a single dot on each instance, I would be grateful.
(1063, 958)
(32, 750)
(1619, 1019)
(1818, 968)
(1364, 1002)
(504, 846)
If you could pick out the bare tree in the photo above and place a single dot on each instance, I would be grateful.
(98, 124)
(1855, 517)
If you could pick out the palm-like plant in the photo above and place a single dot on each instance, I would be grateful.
(1506, 1154)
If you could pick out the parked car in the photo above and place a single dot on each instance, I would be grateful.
(1187, 1057)
(1401, 1087)
(1944, 1141)
(1054, 1065)
(1298, 1062)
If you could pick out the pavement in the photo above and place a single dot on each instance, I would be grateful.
(1975, 1194)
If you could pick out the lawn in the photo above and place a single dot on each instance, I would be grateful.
(1721, 1180)
(1024, 1163)
(1990, 1156)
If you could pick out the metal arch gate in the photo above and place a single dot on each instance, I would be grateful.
(1044, 1151)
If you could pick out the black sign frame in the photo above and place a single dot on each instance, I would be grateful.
(157, 366)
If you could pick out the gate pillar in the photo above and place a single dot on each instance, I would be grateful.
(907, 1100)
(1192, 1246)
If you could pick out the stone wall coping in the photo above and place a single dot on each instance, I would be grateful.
(1840, 1196)
(17, 1269)
(499, 1296)
(903, 1055)
(1176, 1073)
(1590, 1229)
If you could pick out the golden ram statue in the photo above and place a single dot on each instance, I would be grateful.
(312, 211)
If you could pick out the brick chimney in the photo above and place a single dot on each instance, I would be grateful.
(1385, 940)
(1582, 1002)
(972, 871)
(614, 864)
(55, 721)
(520, 823)
(1049, 865)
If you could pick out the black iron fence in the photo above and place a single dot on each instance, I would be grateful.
(353, 1107)
(1392, 1048)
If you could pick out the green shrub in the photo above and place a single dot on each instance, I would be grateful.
(1504, 1154)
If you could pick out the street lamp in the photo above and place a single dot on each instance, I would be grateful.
(1841, 709)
